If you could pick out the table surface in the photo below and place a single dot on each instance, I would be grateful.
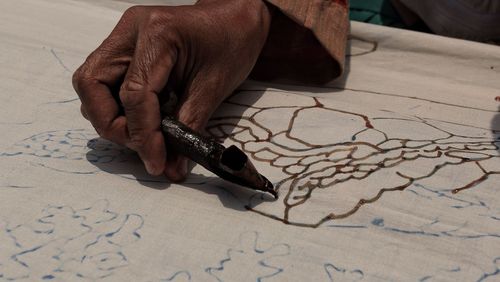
(366, 167)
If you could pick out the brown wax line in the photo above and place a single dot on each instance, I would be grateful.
(442, 148)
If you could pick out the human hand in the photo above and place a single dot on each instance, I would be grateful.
(203, 52)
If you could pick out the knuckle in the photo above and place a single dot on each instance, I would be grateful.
(132, 11)
(87, 71)
(130, 99)
(80, 78)
(159, 16)
(133, 83)
(137, 98)
(161, 25)
(155, 17)
(76, 80)
(194, 121)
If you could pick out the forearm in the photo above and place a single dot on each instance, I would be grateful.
(305, 39)
(258, 9)
(306, 42)
(255, 15)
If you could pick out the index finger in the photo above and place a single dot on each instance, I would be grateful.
(102, 71)
(101, 108)
(146, 77)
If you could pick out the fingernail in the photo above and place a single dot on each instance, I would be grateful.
(150, 168)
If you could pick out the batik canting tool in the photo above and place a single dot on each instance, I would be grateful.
(230, 163)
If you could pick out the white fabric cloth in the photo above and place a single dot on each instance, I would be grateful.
(415, 111)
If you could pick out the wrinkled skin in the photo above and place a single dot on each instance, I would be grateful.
(203, 52)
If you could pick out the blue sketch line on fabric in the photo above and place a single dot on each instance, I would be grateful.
(16, 187)
(249, 255)
(443, 274)
(80, 151)
(484, 211)
(8, 232)
(61, 63)
(454, 233)
(460, 203)
(48, 277)
(487, 275)
(85, 243)
(110, 215)
(418, 194)
(16, 123)
(70, 144)
(126, 219)
(59, 60)
(63, 101)
(336, 273)
(379, 222)
(490, 216)
(184, 275)
(348, 226)
(64, 170)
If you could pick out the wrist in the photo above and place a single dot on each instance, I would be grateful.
(259, 8)
(253, 16)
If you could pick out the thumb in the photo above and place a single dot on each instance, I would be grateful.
(196, 106)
